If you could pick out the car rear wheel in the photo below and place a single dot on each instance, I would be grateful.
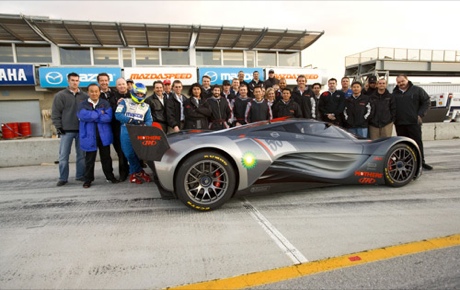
(205, 181)
(401, 165)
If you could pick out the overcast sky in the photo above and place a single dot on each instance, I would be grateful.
(350, 26)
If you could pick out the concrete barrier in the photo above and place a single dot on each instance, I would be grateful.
(36, 151)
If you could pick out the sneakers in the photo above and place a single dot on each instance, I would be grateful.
(61, 183)
(87, 184)
(80, 179)
(145, 176)
(427, 166)
(113, 180)
(136, 178)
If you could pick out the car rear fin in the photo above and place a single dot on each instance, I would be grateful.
(149, 143)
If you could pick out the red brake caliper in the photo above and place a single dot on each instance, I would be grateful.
(217, 174)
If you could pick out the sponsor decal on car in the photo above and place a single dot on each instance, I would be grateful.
(368, 174)
(249, 160)
(149, 140)
(367, 180)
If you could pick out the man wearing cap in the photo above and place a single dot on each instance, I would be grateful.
(271, 80)
(129, 83)
(167, 89)
(226, 92)
(372, 81)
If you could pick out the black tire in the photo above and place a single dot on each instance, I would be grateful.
(401, 165)
(205, 181)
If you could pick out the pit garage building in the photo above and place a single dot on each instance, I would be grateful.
(36, 54)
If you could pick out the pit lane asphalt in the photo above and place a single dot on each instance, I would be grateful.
(124, 236)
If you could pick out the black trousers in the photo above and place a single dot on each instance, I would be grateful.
(123, 166)
(106, 161)
(414, 132)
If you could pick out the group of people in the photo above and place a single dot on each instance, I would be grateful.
(94, 120)
(98, 118)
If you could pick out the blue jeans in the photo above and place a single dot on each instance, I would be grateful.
(65, 148)
(359, 131)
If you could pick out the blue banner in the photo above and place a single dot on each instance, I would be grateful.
(56, 77)
(219, 74)
(17, 74)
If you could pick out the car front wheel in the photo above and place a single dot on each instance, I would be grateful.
(401, 165)
(205, 181)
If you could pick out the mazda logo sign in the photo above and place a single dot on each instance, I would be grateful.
(54, 78)
(213, 75)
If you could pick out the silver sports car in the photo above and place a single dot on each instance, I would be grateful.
(206, 168)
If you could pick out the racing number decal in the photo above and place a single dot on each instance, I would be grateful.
(274, 144)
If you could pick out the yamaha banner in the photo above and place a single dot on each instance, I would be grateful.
(219, 74)
(56, 77)
(17, 74)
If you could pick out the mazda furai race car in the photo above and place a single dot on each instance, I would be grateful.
(204, 169)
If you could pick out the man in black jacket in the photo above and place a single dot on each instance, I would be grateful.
(332, 103)
(357, 111)
(271, 80)
(412, 102)
(121, 92)
(302, 95)
(221, 113)
(253, 83)
(383, 112)
(175, 108)
(158, 103)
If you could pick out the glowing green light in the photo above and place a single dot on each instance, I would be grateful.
(249, 160)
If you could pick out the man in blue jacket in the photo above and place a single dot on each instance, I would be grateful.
(95, 115)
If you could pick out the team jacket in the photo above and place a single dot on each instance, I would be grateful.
(239, 105)
(412, 103)
(332, 103)
(383, 109)
(221, 113)
(357, 111)
(258, 111)
(289, 109)
(95, 122)
(304, 101)
(196, 114)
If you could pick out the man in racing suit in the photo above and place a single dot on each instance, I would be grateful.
(134, 111)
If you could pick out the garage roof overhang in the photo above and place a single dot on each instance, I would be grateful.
(34, 29)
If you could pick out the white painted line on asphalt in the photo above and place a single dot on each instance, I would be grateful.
(289, 249)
